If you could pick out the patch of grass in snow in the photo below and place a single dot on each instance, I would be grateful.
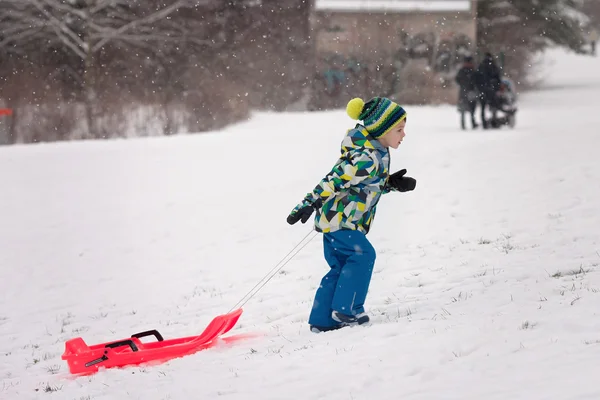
(64, 321)
(462, 296)
(47, 388)
(100, 316)
(8, 385)
(588, 342)
(393, 316)
(443, 315)
(404, 314)
(485, 272)
(576, 272)
(572, 272)
(507, 247)
(305, 347)
(557, 274)
(527, 325)
(343, 350)
(211, 292)
(484, 241)
(83, 328)
(53, 369)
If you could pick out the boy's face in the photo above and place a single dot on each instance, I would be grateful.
(395, 136)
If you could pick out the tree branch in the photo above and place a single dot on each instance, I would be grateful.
(148, 20)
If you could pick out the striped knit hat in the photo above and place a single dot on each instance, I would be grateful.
(380, 115)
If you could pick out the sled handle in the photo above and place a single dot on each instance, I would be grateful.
(96, 361)
(149, 333)
(127, 342)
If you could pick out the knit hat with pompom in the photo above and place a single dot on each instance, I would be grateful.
(380, 115)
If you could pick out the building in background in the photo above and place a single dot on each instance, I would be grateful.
(405, 49)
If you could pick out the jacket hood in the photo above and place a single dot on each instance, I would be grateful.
(359, 138)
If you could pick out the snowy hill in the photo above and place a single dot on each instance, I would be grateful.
(486, 286)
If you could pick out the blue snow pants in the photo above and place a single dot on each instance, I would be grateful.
(344, 288)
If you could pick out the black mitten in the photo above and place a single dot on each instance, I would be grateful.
(303, 211)
(400, 182)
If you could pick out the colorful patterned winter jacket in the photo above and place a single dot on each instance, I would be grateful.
(350, 192)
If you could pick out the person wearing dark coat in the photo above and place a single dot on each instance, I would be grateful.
(488, 82)
(468, 91)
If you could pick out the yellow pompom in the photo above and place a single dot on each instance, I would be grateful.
(355, 107)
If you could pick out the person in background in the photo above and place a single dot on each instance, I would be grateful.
(468, 93)
(593, 36)
(488, 83)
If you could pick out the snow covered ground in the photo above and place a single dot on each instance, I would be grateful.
(486, 286)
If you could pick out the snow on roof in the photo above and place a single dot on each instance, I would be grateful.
(393, 5)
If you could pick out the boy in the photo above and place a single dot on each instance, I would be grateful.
(345, 202)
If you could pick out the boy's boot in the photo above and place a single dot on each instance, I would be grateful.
(350, 320)
(319, 329)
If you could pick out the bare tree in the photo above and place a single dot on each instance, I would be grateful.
(84, 28)
(209, 59)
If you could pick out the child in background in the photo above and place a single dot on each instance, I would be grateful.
(345, 202)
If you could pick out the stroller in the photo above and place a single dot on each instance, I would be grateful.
(505, 105)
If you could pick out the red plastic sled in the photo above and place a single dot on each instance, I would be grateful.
(84, 359)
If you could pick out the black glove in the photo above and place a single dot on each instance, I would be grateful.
(400, 182)
(303, 211)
